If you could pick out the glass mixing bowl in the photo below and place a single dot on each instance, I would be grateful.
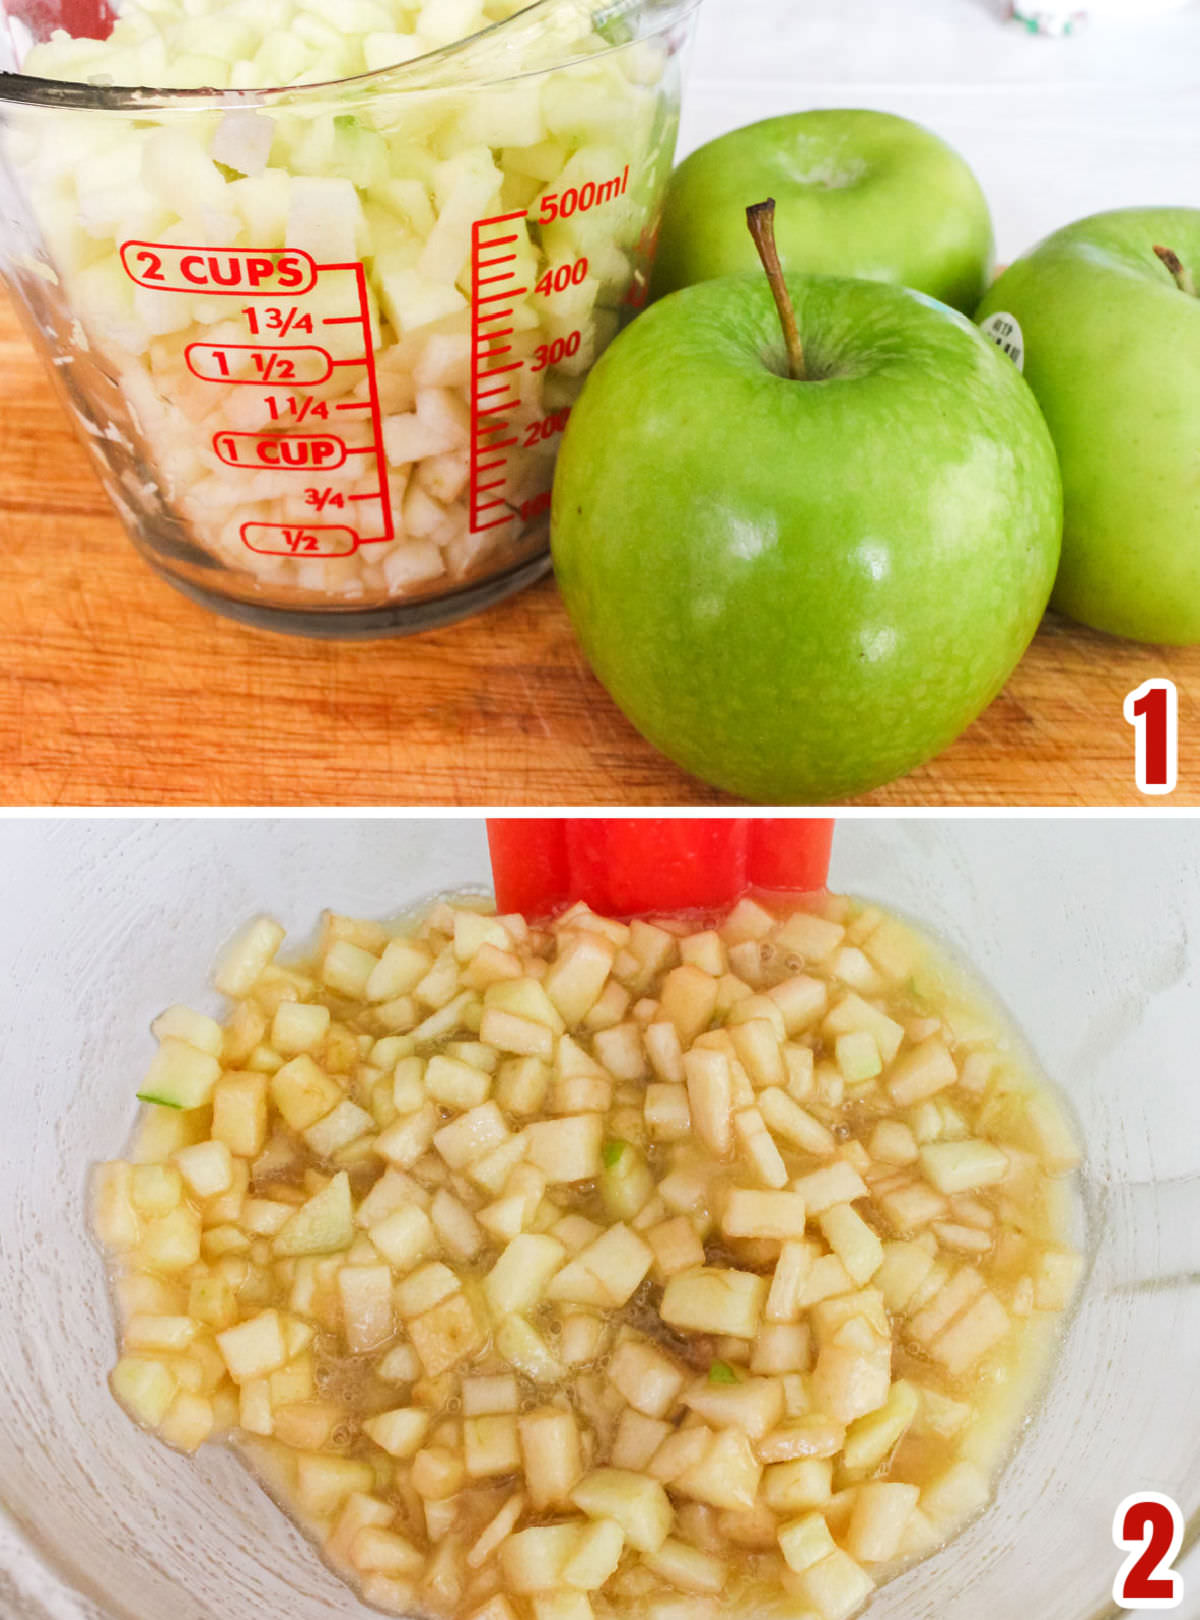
(1082, 931)
(322, 342)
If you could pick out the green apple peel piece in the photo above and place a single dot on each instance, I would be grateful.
(801, 590)
(1112, 351)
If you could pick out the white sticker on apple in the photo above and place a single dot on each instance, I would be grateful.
(1005, 332)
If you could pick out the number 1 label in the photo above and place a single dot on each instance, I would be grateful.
(1150, 1527)
(1153, 712)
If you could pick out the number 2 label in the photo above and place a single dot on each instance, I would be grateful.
(1153, 712)
(1150, 1527)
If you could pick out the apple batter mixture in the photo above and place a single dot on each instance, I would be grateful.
(543, 1272)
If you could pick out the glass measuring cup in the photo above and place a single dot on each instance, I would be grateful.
(322, 341)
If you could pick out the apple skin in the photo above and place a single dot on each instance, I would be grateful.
(801, 590)
(1112, 351)
(862, 194)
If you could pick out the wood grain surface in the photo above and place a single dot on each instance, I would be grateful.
(115, 690)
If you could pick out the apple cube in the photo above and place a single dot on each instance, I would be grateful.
(302, 1091)
(710, 1098)
(958, 1167)
(870, 1438)
(566, 1150)
(596, 1555)
(753, 1406)
(206, 1167)
(468, 1138)
(607, 1272)
(180, 1075)
(254, 1348)
(551, 1456)
(712, 1299)
(852, 1240)
(366, 1294)
(405, 1237)
(750, 1213)
(687, 1567)
(299, 1026)
(533, 1560)
(240, 1113)
(490, 1445)
(878, 1520)
(446, 1335)
(520, 1275)
(246, 958)
(145, 1388)
(805, 1541)
(837, 1183)
(322, 1225)
(726, 1475)
(113, 1216)
(579, 974)
(927, 1069)
(836, 1586)
(649, 1380)
(323, 1481)
(523, 1347)
(638, 1504)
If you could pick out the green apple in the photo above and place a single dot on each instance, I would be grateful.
(860, 194)
(800, 582)
(1110, 334)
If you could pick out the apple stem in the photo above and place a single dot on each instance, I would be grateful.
(1184, 278)
(761, 220)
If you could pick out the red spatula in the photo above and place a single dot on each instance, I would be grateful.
(625, 866)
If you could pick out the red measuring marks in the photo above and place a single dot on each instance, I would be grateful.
(323, 442)
(495, 288)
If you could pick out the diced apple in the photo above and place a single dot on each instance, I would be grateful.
(519, 1277)
(836, 1586)
(578, 975)
(520, 1344)
(247, 956)
(145, 1388)
(879, 1519)
(927, 1069)
(836, 1183)
(957, 1167)
(595, 1556)
(446, 1335)
(687, 1567)
(366, 1293)
(727, 1475)
(323, 1482)
(750, 1213)
(490, 1445)
(713, 1299)
(322, 1225)
(852, 1240)
(468, 1138)
(399, 1432)
(533, 1560)
(254, 1348)
(405, 1237)
(206, 1167)
(649, 1380)
(607, 1272)
(180, 1075)
(870, 1438)
(638, 1504)
(551, 1456)
(805, 1541)
(1056, 1277)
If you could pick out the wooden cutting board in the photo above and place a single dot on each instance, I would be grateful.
(115, 690)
